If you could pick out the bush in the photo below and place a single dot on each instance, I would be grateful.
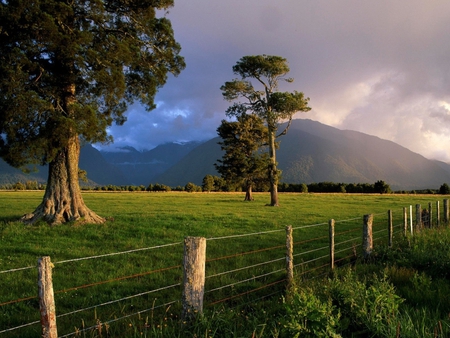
(347, 305)
(191, 187)
(308, 316)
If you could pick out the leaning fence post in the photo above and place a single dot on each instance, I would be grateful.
(46, 298)
(367, 235)
(289, 259)
(446, 211)
(405, 221)
(418, 217)
(331, 226)
(390, 229)
(193, 276)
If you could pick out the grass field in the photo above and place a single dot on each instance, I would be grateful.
(141, 220)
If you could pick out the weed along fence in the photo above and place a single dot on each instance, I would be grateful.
(179, 280)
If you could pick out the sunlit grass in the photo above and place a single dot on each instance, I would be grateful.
(141, 220)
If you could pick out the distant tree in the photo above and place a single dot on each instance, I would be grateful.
(68, 70)
(191, 187)
(272, 106)
(382, 187)
(444, 189)
(243, 162)
(208, 183)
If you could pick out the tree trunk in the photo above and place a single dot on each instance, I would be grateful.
(62, 200)
(248, 193)
(273, 173)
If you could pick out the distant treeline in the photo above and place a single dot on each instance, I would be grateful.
(215, 183)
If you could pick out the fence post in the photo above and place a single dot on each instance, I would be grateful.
(405, 221)
(411, 220)
(289, 259)
(438, 214)
(446, 211)
(367, 235)
(331, 227)
(390, 229)
(46, 298)
(430, 214)
(418, 217)
(193, 276)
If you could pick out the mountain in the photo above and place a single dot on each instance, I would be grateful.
(141, 168)
(310, 152)
(314, 152)
(99, 171)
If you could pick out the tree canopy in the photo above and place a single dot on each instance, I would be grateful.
(243, 162)
(269, 104)
(69, 69)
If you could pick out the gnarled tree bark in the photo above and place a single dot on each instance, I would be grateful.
(62, 201)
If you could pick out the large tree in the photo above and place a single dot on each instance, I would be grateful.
(68, 70)
(243, 162)
(271, 105)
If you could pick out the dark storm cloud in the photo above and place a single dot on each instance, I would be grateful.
(379, 67)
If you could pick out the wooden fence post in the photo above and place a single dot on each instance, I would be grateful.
(418, 217)
(193, 276)
(438, 214)
(405, 221)
(331, 226)
(411, 220)
(390, 229)
(46, 298)
(289, 259)
(430, 214)
(367, 235)
(446, 211)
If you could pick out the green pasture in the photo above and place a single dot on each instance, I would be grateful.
(142, 220)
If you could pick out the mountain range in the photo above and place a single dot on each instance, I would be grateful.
(310, 152)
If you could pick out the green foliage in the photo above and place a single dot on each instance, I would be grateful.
(270, 105)
(382, 187)
(369, 305)
(444, 189)
(208, 183)
(309, 316)
(347, 305)
(243, 162)
(191, 187)
(71, 68)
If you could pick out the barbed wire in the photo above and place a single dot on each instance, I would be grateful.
(346, 241)
(20, 326)
(246, 267)
(117, 319)
(310, 261)
(308, 226)
(117, 253)
(245, 235)
(244, 281)
(247, 292)
(245, 253)
(116, 279)
(119, 300)
(19, 269)
(310, 251)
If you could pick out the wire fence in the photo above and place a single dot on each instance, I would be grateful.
(143, 286)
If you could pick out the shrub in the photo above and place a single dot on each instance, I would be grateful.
(308, 316)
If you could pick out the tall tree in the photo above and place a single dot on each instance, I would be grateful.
(271, 105)
(68, 70)
(243, 162)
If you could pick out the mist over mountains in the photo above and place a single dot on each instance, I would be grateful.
(310, 152)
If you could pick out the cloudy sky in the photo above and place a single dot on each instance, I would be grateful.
(379, 67)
